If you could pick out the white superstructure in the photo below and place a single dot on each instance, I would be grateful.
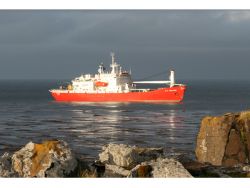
(113, 81)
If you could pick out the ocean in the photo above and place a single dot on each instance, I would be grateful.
(28, 113)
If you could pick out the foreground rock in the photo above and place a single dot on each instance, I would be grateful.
(55, 159)
(127, 156)
(131, 161)
(160, 168)
(224, 140)
(49, 159)
(87, 169)
(6, 166)
(116, 171)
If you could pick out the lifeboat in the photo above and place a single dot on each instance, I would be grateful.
(101, 84)
(70, 87)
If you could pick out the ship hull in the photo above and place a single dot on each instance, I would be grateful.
(173, 94)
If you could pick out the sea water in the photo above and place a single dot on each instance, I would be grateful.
(28, 113)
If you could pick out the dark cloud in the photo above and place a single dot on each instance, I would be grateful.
(29, 27)
(63, 44)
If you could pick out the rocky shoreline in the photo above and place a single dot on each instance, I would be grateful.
(222, 150)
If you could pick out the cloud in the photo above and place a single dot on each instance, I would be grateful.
(237, 16)
(59, 44)
(33, 27)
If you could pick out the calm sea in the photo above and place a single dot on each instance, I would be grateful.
(28, 113)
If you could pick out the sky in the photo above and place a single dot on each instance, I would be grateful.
(63, 44)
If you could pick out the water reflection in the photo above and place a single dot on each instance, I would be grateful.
(87, 127)
(96, 125)
(172, 124)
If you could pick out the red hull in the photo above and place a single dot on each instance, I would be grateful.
(173, 94)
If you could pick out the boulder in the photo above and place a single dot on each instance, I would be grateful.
(115, 171)
(49, 159)
(246, 168)
(234, 152)
(89, 169)
(6, 167)
(224, 140)
(127, 156)
(243, 128)
(212, 138)
(160, 168)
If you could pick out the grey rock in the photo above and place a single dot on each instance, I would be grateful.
(127, 156)
(21, 160)
(49, 159)
(160, 168)
(114, 170)
(246, 168)
(6, 167)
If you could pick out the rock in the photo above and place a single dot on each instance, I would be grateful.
(233, 148)
(49, 159)
(87, 173)
(233, 153)
(160, 168)
(224, 140)
(166, 168)
(127, 156)
(115, 171)
(243, 128)
(197, 169)
(142, 170)
(212, 138)
(90, 170)
(246, 168)
(6, 167)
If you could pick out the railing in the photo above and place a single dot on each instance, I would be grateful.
(140, 90)
(152, 82)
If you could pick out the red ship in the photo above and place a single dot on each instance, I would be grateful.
(117, 86)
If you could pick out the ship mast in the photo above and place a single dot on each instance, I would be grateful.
(114, 66)
(113, 57)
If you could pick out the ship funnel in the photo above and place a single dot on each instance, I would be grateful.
(171, 78)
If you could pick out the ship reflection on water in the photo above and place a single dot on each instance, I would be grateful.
(126, 123)
(89, 126)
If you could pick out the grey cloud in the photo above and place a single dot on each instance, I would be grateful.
(64, 44)
(32, 27)
(236, 16)
(193, 29)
